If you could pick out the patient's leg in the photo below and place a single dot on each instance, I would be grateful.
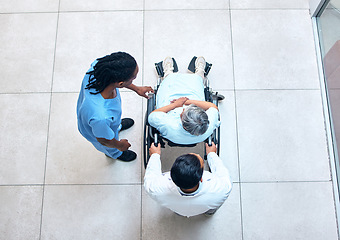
(168, 66)
(200, 64)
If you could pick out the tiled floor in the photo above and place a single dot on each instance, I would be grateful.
(55, 185)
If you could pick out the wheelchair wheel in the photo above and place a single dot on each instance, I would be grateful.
(218, 140)
(146, 142)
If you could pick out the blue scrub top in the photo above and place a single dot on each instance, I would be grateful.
(99, 117)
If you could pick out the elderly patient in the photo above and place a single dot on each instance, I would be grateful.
(187, 189)
(182, 115)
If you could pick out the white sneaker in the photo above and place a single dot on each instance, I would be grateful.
(200, 64)
(168, 66)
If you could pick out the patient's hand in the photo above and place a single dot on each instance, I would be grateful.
(180, 101)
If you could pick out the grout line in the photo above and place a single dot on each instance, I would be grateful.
(236, 122)
(115, 10)
(101, 11)
(18, 93)
(270, 9)
(155, 10)
(74, 11)
(287, 181)
(93, 184)
(141, 183)
(48, 126)
(142, 145)
(187, 9)
(279, 89)
(13, 13)
(217, 89)
(22, 185)
(70, 184)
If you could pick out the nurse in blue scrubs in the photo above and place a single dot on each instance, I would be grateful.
(99, 104)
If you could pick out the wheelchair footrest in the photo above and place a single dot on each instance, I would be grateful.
(191, 66)
(160, 70)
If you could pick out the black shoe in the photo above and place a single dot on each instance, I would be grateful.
(126, 123)
(127, 156)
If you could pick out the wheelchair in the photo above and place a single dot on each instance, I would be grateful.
(152, 135)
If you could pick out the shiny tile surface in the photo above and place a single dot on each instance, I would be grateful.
(269, 4)
(189, 34)
(189, 4)
(85, 36)
(100, 5)
(288, 211)
(281, 136)
(55, 185)
(266, 56)
(20, 211)
(24, 127)
(111, 212)
(71, 159)
(27, 52)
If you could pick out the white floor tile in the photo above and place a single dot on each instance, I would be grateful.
(275, 128)
(184, 34)
(288, 211)
(274, 49)
(264, 4)
(72, 159)
(91, 212)
(228, 135)
(84, 37)
(160, 223)
(20, 212)
(24, 121)
(12, 6)
(188, 4)
(281, 136)
(27, 52)
(100, 5)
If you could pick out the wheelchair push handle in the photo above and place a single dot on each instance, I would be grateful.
(210, 141)
(156, 140)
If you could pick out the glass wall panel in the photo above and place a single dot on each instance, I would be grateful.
(329, 35)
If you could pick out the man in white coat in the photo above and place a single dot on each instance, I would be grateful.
(187, 189)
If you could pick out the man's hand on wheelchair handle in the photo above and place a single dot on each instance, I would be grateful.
(153, 149)
(210, 149)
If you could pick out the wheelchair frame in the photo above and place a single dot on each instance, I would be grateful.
(151, 134)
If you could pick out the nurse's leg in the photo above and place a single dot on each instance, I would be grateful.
(113, 153)
(110, 152)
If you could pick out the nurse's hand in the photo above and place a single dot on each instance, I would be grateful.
(123, 145)
(143, 90)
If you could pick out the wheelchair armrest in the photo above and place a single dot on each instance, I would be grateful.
(151, 105)
(207, 94)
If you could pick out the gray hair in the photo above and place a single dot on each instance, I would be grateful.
(195, 120)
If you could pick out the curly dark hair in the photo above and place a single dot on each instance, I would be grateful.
(116, 67)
